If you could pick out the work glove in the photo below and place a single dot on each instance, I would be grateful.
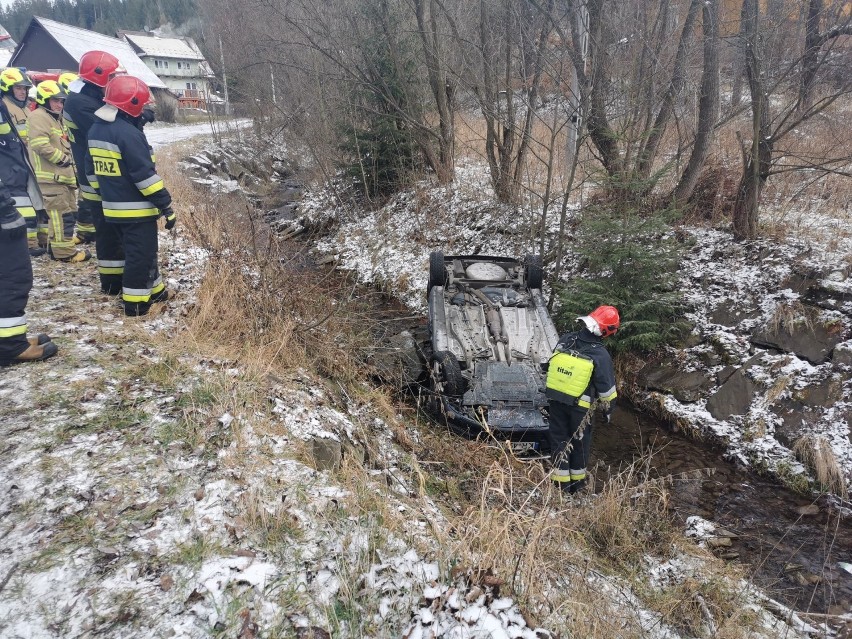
(9, 215)
(64, 161)
(171, 217)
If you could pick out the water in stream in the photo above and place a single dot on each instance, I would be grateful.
(794, 557)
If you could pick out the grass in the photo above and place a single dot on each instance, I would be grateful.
(815, 452)
(486, 512)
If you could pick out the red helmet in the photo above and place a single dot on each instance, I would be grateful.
(127, 93)
(603, 321)
(97, 67)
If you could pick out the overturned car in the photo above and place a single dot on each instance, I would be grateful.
(490, 340)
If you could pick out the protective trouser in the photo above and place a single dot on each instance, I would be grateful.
(16, 280)
(25, 207)
(43, 221)
(108, 246)
(86, 212)
(142, 284)
(569, 448)
(59, 202)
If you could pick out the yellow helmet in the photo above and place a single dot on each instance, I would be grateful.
(46, 90)
(11, 77)
(66, 79)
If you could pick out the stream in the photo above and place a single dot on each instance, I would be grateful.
(791, 543)
(793, 556)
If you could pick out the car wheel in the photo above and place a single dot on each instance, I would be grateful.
(448, 373)
(535, 272)
(437, 270)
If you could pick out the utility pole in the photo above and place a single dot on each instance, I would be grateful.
(224, 78)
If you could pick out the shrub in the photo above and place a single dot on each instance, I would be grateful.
(628, 258)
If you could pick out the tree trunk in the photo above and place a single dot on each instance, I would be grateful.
(738, 70)
(445, 162)
(601, 132)
(708, 105)
(810, 57)
(757, 160)
(649, 152)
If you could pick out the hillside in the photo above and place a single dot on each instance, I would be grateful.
(229, 468)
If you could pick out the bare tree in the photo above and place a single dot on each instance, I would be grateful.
(770, 127)
(708, 105)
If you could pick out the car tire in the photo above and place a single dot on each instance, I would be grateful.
(448, 372)
(534, 271)
(437, 270)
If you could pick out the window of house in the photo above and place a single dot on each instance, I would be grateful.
(191, 86)
(161, 64)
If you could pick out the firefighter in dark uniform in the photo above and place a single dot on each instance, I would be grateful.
(14, 87)
(580, 374)
(132, 193)
(16, 270)
(85, 96)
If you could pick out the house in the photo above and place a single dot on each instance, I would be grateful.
(48, 45)
(179, 64)
(7, 46)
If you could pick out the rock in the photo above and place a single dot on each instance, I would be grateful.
(809, 340)
(842, 354)
(719, 542)
(314, 632)
(327, 453)
(397, 360)
(727, 316)
(166, 582)
(724, 375)
(734, 397)
(199, 494)
(686, 387)
(808, 511)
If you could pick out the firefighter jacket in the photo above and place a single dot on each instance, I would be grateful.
(78, 113)
(121, 169)
(50, 151)
(18, 115)
(15, 170)
(580, 371)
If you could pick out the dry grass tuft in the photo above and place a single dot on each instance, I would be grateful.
(787, 315)
(815, 452)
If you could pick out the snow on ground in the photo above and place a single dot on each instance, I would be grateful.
(137, 500)
(391, 246)
(160, 134)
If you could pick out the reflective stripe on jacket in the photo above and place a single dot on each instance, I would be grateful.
(18, 116)
(49, 145)
(79, 115)
(124, 174)
(15, 170)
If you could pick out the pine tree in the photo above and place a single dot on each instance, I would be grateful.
(628, 259)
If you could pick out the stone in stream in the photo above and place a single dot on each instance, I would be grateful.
(735, 396)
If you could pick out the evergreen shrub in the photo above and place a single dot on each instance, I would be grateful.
(628, 258)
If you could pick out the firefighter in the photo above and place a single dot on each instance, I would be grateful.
(14, 87)
(579, 375)
(50, 155)
(65, 79)
(16, 270)
(134, 196)
(85, 96)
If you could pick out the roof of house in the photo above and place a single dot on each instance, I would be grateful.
(6, 41)
(163, 47)
(77, 41)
